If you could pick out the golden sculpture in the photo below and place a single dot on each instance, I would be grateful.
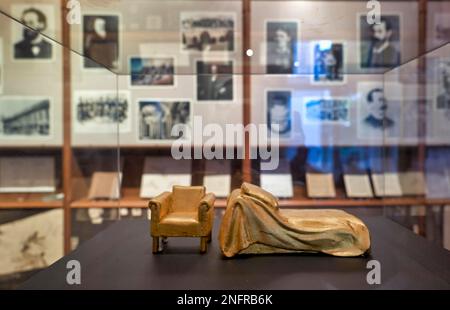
(186, 212)
(253, 224)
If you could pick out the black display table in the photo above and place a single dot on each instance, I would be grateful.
(121, 258)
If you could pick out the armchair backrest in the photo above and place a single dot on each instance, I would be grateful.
(186, 198)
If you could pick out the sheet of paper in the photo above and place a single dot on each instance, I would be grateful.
(386, 184)
(412, 183)
(358, 186)
(280, 185)
(32, 242)
(217, 177)
(162, 173)
(219, 184)
(320, 185)
(438, 184)
(27, 174)
(154, 184)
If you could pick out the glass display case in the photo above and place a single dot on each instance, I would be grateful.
(106, 104)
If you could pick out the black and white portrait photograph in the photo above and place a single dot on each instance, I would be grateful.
(278, 109)
(321, 111)
(158, 117)
(152, 71)
(101, 44)
(207, 31)
(101, 112)
(328, 61)
(378, 117)
(25, 117)
(281, 46)
(214, 80)
(380, 43)
(28, 42)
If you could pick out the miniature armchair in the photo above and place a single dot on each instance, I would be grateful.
(185, 212)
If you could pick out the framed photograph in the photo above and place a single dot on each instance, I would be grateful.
(279, 112)
(379, 44)
(443, 92)
(328, 61)
(26, 118)
(378, 117)
(207, 31)
(2, 68)
(214, 80)
(101, 111)
(281, 47)
(157, 117)
(101, 41)
(330, 111)
(157, 71)
(441, 25)
(28, 44)
(441, 113)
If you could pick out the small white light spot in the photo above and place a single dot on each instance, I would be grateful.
(249, 52)
(296, 64)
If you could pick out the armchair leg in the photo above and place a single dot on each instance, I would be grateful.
(209, 237)
(155, 247)
(203, 244)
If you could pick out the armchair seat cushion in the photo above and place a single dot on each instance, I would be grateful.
(180, 218)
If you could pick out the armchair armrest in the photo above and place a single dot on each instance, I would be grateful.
(160, 205)
(206, 205)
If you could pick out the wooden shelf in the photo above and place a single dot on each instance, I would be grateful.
(127, 202)
(130, 199)
(300, 199)
(28, 201)
(34, 148)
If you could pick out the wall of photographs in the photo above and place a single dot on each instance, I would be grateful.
(319, 65)
(30, 77)
(327, 77)
(183, 61)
